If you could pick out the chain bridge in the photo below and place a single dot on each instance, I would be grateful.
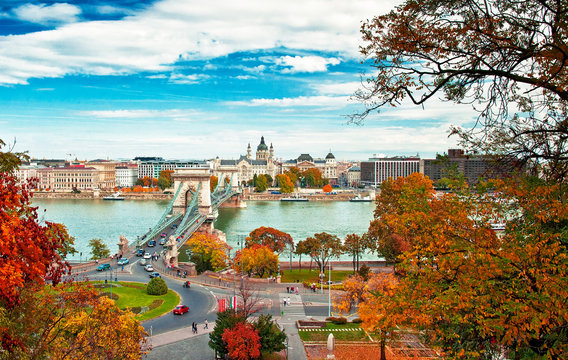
(193, 207)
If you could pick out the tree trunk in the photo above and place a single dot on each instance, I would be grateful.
(353, 263)
(357, 261)
(311, 264)
(383, 351)
(300, 262)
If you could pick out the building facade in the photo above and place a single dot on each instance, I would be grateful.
(377, 170)
(151, 168)
(354, 176)
(327, 166)
(247, 167)
(126, 176)
(67, 179)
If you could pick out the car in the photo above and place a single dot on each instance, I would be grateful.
(162, 241)
(147, 255)
(155, 274)
(142, 262)
(140, 252)
(174, 226)
(122, 261)
(103, 267)
(163, 235)
(181, 309)
(149, 268)
(151, 243)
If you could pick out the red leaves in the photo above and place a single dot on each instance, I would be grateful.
(29, 251)
(327, 188)
(243, 342)
(275, 239)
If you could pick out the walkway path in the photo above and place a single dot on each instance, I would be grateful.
(291, 313)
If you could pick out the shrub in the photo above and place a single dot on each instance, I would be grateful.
(364, 272)
(157, 286)
(337, 320)
(357, 321)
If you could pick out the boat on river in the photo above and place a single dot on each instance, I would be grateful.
(360, 198)
(295, 197)
(115, 196)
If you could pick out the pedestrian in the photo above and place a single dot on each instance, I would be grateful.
(206, 324)
(288, 289)
(288, 301)
(97, 261)
(193, 327)
(284, 301)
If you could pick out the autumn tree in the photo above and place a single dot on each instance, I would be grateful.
(243, 342)
(256, 259)
(323, 247)
(508, 59)
(250, 299)
(275, 239)
(327, 188)
(10, 160)
(401, 206)
(302, 249)
(99, 249)
(208, 252)
(261, 183)
(286, 185)
(227, 319)
(355, 245)
(312, 177)
(213, 182)
(294, 174)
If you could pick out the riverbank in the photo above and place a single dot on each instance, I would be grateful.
(89, 195)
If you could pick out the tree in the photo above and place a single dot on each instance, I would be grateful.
(256, 259)
(208, 251)
(157, 286)
(506, 58)
(322, 247)
(99, 249)
(302, 249)
(294, 174)
(261, 183)
(139, 182)
(327, 188)
(312, 177)
(251, 300)
(493, 292)
(243, 342)
(401, 206)
(227, 319)
(9, 160)
(269, 179)
(286, 185)
(272, 339)
(213, 182)
(355, 245)
(275, 239)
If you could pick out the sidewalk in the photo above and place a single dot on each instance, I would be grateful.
(177, 335)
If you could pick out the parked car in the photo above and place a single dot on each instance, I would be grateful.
(151, 243)
(181, 309)
(154, 274)
(103, 267)
(140, 252)
(149, 268)
(147, 255)
(123, 261)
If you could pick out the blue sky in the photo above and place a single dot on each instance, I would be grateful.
(198, 79)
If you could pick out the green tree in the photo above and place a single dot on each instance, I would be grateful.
(254, 177)
(227, 319)
(272, 339)
(99, 249)
(507, 58)
(140, 182)
(157, 286)
(355, 245)
(269, 179)
(10, 161)
(301, 249)
(261, 183)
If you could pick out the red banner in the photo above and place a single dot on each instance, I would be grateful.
(222, 305)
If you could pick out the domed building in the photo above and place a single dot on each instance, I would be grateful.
(263, 164)
(327, 166)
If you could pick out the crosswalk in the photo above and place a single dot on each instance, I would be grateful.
(293, 310)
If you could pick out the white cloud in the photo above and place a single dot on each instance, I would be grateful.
(174, 114)
(54, 14)
(301, 101)
(187, 79)
(156, 37)
(347, 88)
(308, 64)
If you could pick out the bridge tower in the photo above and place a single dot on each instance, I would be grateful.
(191, 179)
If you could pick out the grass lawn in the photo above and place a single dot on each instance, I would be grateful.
(355, 335)
(332, 326)
(289, 276)
(133, 296)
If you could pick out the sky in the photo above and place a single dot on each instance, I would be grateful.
(185, 79)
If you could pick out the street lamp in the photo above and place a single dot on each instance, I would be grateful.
(329, 288)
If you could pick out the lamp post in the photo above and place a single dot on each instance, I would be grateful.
(329, 288)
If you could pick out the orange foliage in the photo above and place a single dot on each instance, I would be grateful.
(256, 259)
(327, 188)
(275, 239)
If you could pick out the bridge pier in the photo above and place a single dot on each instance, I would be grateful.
(236, 201)
(190, 179)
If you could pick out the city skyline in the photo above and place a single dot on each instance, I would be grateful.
(120, 79)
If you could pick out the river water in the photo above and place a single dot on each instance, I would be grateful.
(107, 220)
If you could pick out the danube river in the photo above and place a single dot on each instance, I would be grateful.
(107, 220)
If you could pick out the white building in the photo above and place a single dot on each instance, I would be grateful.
(152, 168)
(126, 176)
(377, 170)
(327, 166)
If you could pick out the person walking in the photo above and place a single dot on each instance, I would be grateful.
(288, 301)
(206, 324)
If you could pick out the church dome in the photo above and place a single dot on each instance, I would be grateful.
(262, 145)
(329, 156)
